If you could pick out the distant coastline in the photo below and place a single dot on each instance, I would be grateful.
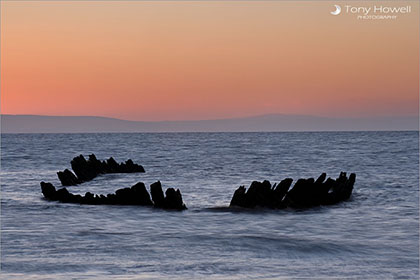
(262, 123)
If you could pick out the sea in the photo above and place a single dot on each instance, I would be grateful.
(374, 235)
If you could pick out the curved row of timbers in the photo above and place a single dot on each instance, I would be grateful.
(136, 195)
(304, 194)
(86, 170)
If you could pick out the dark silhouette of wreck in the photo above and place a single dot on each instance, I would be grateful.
(136, 195)
(87, 170)
(304, 194)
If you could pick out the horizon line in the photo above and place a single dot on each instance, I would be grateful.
(218, 118)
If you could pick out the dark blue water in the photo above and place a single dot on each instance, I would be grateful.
(375, 235)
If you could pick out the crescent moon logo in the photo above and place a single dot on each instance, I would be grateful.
(337, 10)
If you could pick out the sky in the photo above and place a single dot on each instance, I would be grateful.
(153, 61)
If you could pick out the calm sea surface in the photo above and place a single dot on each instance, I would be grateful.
(375, 235)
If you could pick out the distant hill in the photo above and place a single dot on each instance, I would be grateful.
(79, 124)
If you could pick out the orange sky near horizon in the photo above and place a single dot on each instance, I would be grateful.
(142, 60)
